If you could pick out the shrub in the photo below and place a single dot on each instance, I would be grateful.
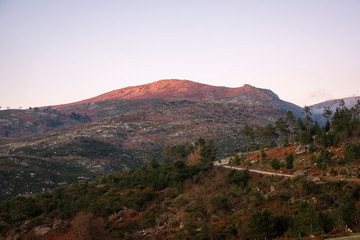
(289, 161)
(220, 202)
(238, 177)
(148, 220)
(352, 152)
(262, 225)
(275, 164)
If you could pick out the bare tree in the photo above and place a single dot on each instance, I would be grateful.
(87, 227)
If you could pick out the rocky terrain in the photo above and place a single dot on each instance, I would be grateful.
(21, 123)
(175, 188)
(124, 133)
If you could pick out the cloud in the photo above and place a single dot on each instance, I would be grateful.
(320, 94)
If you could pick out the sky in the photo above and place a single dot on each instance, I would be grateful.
(54, 52)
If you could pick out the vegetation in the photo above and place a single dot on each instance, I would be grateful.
(167, 198)
(340, 125)
(84, 147)
(182, 196)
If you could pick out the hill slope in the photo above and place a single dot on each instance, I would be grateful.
(178, 89)
(126, 133)
(22, 123)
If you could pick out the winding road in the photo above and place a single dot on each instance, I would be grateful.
(252, 170)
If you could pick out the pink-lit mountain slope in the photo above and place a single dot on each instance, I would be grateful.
(178, 89)
(247, 104)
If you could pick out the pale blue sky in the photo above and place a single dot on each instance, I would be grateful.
(54, 52)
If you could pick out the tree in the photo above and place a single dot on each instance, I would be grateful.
(208, 153)
(262, 225)
(282, 126)
(356, 110)
(289, 161)
(327, 114)
(342, 121)
(249, 135)
(348, 208)
(291, 122)
(87, 227)
(308, 119)
(342, 104)
(270, 133)
(275, 164)
(306, 221)
(261, 134)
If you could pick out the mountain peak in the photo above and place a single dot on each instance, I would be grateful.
(248, 86)
(178, 89)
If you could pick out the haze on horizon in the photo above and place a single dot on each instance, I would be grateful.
(56, 52)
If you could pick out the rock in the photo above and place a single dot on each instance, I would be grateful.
(301, 149)
(14, 237)
(101, 186)
(42, 231)
(299, 173)
(58, 223)
(316, 179)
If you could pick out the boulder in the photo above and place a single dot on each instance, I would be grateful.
(40, 231)
(301, 148)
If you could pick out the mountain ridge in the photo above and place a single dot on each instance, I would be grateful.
(317, 110)
(177, 89)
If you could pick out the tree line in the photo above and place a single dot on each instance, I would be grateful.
(341, 123)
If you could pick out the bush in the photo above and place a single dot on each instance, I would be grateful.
(220, 202)
(148, 220)
(275, 164)
(263, 154)
(289, 161)
(238, 177)
(352, 152)
(237, 160)
(262, 225)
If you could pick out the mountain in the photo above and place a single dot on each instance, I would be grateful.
(22, 123)
(124, 133)
(178, 89)
(317, 110)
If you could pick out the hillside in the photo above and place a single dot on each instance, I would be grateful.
(179, 89)
(178, 201)
(90, 139)
(22, 123)
(123, 141)
(273, 188)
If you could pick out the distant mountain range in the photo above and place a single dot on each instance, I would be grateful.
(317, 110)
(44, 147)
